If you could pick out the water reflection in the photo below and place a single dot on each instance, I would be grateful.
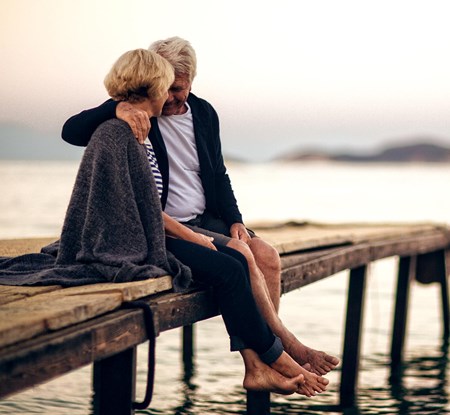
(421, 390)
(188, 391)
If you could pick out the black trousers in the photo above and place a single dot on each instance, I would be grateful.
(226, 271)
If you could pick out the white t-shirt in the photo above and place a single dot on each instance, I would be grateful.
(186, 198)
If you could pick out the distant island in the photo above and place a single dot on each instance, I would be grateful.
(420, 152)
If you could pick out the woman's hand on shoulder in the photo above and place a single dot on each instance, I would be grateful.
(136, 118)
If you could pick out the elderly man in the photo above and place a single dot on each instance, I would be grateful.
(185, 141)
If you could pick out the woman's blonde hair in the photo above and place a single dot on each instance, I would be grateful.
(179, 53)
(139, 74)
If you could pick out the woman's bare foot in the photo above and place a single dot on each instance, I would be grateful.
(313, 383)
(261, 377)
(269, 380)
(320, 362)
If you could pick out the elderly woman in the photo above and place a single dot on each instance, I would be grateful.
(114, 231)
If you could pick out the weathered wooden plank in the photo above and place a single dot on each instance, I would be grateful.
(27, 318)
(288, 239)
(10, 293)
(292, 259)
(45, 357)
(128, 290)
(30, 311)
(410, 245)
(14, 328)
(50, 355)
(52, 310)
(15, 247)
(335, 261)
(352, 256)
(178, 310)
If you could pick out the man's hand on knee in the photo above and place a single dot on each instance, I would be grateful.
(239, 231)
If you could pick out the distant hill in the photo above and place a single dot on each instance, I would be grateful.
(419, 152)
(20, 142)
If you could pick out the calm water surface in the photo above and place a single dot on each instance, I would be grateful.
(33, 202)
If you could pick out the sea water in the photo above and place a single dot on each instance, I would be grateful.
(34, 196)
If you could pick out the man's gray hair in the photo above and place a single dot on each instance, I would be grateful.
(179, 53)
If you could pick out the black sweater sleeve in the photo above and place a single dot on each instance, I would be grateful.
(78, 129)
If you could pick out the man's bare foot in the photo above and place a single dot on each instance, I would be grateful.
(313, 383)
(320, 362)
(261, 377)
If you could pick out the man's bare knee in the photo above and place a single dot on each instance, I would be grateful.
(265, 254)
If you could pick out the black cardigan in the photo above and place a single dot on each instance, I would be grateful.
(219, 195)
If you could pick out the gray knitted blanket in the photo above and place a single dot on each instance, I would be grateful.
(113, 229)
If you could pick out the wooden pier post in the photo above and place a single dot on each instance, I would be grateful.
(434, 267)
(406, 272)
(114, 384)
(188, 349)
(352, 339)
(258, 403)
(444, 294)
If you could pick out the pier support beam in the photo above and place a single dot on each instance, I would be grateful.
(188, 349)
(444, 294)
(258, 403)
(114, 384)
(434, 267)
(352, 339)
(406, 272)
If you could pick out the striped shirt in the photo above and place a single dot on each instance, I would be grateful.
(154, 166)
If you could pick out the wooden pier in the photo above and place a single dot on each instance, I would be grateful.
(46, 332)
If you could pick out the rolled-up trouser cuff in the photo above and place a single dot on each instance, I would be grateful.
(273, 353)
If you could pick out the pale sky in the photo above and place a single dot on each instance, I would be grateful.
(282, 74)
